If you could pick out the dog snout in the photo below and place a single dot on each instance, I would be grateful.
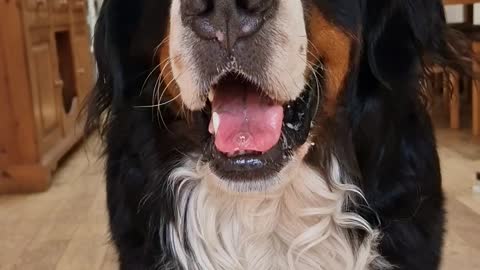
(227, 21)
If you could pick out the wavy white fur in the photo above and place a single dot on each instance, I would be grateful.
(301, 225)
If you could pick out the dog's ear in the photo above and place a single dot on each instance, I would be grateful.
(126, 35)
(405, 36)
(111, 43)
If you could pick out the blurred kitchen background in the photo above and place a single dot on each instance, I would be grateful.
(52, 198)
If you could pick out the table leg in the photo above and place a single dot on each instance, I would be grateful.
(454, 81)
(476, 94)
(468, 14)
(476, 108)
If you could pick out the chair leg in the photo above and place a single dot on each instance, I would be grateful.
(476, 94)
(476, 108)
(454, 81)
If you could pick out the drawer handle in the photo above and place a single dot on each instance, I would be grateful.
(41, 3)
(58, 83)
(79, 4)
(81, 71)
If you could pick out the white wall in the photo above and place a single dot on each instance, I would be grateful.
(92, 13)
(455, 13)
(477, 14)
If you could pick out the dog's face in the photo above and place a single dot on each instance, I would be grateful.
(262, 71)
(265, 80)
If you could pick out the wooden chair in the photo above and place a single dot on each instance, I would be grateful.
(451, 98)
(473, 33)
(454, 97)
(475, 37)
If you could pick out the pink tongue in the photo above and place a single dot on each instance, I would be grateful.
(246, 120)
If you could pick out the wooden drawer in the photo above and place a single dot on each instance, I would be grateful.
(41, 35)
(60, 5)
(36, 13)
(60, 12)
(83, 63)
(79, 10)
(36, 5)
(80, 28)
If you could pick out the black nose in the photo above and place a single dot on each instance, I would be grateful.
(227, 20)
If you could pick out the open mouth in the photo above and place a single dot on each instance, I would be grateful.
(252, 136)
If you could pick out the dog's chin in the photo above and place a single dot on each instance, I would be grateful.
(248, 172)
(262, 164)
(264, 178)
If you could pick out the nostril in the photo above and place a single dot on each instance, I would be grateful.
(227, 21)
(197, 7)
(255, 6)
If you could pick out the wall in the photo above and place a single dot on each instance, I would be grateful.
(455, 13)
(93, 9)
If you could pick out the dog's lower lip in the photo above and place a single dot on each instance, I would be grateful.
(248, 167)
(247, 161)
(244, 153)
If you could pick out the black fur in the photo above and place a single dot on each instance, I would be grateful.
(381, 132)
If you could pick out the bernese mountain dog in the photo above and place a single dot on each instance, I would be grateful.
(272, 134)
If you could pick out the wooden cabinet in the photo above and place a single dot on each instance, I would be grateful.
(46, 72)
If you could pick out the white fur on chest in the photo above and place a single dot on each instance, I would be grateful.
(302, 225)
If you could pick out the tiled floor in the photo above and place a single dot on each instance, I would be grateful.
(66, 229)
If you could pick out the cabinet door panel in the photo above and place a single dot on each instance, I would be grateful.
(36, 5)
(79, 10)
(46, 92)
(60, 12)
(36, 13)
(44, 89)
(5, 121)
(84, 61)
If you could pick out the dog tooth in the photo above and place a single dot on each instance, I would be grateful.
(220, 36)
(216, 122)
(211, 95)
